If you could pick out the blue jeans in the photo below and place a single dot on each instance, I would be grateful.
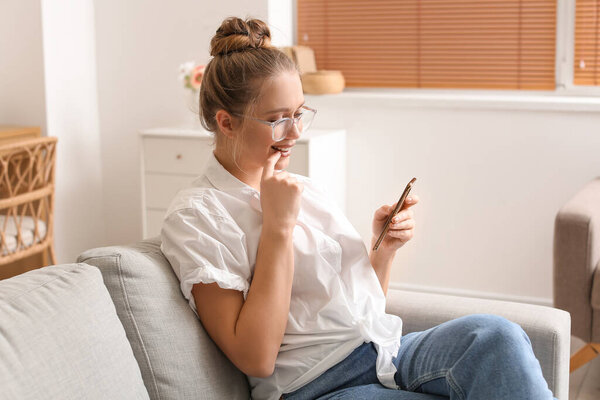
(475, 357)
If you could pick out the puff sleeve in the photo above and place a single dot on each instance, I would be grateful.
(204, 246)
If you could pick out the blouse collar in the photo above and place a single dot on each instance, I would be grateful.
(225, 181)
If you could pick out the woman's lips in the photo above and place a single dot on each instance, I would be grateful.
(285, 151)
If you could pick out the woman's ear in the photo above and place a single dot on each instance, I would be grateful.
(226, 123)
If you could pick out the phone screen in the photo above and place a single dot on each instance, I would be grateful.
(396, 210)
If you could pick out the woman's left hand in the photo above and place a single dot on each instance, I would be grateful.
(401, 228)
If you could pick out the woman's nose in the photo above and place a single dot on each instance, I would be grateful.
(294, 131)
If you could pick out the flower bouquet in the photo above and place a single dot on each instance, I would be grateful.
(190, 74)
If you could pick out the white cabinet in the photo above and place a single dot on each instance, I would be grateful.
(173, 157)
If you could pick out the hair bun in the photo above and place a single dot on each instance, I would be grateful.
(235, 35)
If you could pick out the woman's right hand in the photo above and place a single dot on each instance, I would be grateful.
(280, 196)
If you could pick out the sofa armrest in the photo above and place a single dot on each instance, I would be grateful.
(548, 328)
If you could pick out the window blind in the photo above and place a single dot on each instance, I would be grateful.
(586, 70)
(493, 44)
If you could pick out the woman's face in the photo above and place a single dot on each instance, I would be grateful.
(281, 97)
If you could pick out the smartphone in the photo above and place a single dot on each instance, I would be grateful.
(397, 209)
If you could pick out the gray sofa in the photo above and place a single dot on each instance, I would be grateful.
(114, 325)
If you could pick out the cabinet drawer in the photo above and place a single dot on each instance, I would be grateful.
(178, 156)
(161, 189)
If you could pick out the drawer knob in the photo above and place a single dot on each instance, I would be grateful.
(178, 156)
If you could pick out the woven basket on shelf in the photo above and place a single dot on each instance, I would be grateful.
(314, 81)
(323, 82)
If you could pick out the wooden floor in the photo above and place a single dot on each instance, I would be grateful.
(584, 383)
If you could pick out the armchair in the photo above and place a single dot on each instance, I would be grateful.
(577, 268)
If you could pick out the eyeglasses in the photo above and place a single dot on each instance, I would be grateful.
(281, 127)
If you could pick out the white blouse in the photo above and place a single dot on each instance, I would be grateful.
(211, 233)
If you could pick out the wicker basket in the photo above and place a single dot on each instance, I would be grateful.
(323, 82)
(27, 198)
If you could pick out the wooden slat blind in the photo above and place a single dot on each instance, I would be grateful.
(493, 44)
(586, 68)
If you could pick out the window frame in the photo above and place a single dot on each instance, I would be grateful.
(567, 45)
(564, 62)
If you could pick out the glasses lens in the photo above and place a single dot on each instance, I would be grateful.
(281, 130)
(305, 120)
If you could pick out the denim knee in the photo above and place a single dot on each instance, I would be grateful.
(497, 330)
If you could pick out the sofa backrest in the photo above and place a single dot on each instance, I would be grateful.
(177, 358)
(60, 338)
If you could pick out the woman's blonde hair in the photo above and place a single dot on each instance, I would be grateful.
(243, 61)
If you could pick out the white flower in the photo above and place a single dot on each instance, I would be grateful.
(185, 69)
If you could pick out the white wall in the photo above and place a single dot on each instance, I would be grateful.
(281, 22)
(72, 116)
(22, 99)
(140, 46)
(490, 184)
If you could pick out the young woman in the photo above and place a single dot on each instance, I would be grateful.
(281, 280)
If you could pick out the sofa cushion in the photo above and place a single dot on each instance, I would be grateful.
(60, 338)
(177, 358)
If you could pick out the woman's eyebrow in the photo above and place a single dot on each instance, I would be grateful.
(283, 109)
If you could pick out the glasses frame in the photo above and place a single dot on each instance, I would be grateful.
(280, 121)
